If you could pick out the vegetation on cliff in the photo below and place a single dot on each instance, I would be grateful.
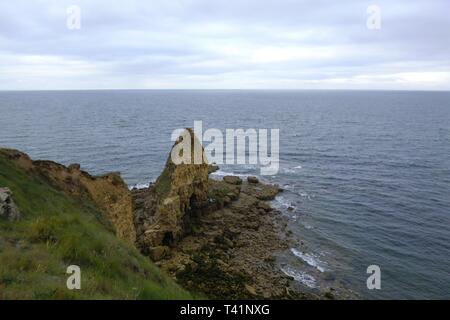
(58, 228)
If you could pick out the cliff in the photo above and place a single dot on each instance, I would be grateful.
(108, 192)
(219, 239)
(56, 217)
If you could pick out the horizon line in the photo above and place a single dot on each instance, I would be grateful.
(223, 89)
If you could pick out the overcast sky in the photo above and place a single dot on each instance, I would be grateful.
(279, 44)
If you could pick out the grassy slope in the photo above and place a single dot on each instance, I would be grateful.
(56, 231)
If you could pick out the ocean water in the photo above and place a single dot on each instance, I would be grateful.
(367, 174)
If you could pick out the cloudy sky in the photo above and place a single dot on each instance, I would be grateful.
(279, 44)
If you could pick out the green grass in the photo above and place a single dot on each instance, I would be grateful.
(57, 231)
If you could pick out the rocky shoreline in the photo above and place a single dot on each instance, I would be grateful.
(219, 239)
(230, 249)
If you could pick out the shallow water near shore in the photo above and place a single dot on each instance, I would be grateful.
(366, 174)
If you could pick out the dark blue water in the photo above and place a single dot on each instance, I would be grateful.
(368, 173)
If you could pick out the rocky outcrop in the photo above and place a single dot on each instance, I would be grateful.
(232, 180)
(8, 208)
(228, 249)
(219, 238)
(111, 194)
(176, 197)
(108, 192)
(213, 168)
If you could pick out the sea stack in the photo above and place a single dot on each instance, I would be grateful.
(179, 192)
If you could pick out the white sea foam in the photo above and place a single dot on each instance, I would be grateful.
(310, 259)
(281, 203)
(139, 186)
(220, 173)
(290, 170)
(307, 226)
(300, 276)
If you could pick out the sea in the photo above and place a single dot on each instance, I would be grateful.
(366, 174)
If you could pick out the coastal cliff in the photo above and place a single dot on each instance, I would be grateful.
(52, 217)
(109, 192)
(216, 238)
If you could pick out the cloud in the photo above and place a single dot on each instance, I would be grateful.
(224, 44)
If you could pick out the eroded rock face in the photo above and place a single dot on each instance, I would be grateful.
(109, 192)
(177, 195)
(8, 208)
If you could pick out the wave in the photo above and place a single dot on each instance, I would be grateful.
(220, 173)
(281, 203)
(290, 170)
(310, 259)
(138, 186)
(300, 276)
(307, 226)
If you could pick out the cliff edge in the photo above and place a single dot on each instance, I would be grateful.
(109, 192)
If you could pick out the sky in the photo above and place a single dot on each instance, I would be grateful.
(224, 44)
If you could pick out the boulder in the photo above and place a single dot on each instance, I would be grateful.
(8, 208)
(267, 192)
(232, 180)
(252, 179)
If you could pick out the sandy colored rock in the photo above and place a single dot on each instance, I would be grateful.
(159, 253)
(250, 290)
(176, 197)
(232, 180)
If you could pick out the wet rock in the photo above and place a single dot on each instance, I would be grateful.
(267, 193)
(212, 168)
(232, 180)
(8, 208)
(252, 179)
